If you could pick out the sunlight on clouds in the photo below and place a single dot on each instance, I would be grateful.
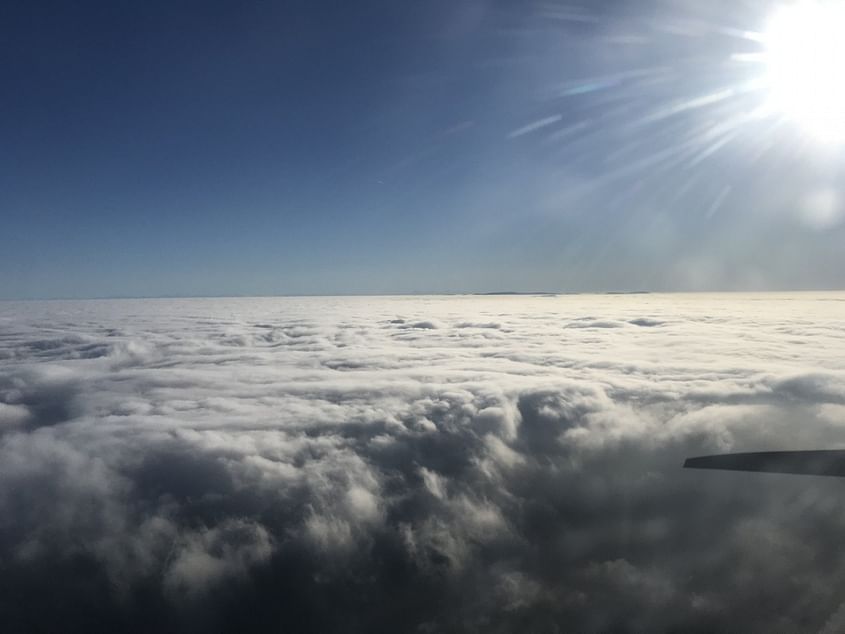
(473, 463)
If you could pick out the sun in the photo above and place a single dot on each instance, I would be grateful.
(805, 60)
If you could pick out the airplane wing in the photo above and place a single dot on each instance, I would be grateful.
(826, 462)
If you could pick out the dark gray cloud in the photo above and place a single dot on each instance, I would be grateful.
(418, 464)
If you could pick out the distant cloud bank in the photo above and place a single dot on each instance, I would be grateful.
(472, 464)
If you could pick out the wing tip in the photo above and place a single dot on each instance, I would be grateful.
(697, 462)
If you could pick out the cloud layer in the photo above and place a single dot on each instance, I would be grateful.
(418, 464)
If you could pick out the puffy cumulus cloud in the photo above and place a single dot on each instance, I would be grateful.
(418, 464)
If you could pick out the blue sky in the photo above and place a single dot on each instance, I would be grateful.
(239, 148)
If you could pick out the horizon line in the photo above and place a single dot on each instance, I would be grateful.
(421, 294)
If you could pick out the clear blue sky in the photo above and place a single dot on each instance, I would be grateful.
(238, 148)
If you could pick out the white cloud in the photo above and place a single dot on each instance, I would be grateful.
(478, 463)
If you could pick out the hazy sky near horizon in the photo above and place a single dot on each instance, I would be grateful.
(213, 148)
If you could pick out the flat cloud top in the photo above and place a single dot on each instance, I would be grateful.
(418, 463)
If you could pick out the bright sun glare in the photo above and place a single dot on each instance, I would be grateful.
(805, 56)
